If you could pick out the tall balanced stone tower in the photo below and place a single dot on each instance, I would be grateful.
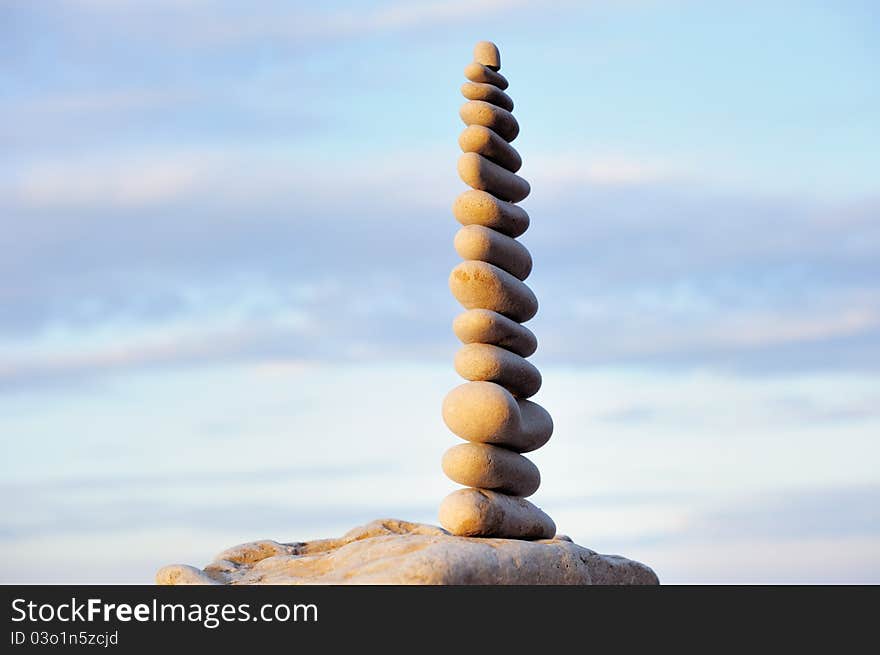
(490, 411)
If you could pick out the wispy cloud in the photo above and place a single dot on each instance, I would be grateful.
(108, 183)
(742, 289)
(839, 512)
(255, 177)
(166, 345)
(557, 172)
(750, 331)
(104, 101)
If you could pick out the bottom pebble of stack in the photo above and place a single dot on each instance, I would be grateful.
(484, 513)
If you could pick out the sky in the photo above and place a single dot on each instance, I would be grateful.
(226, 235)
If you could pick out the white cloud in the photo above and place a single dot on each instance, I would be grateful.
(767, 330)
(248, 176)
(558, 171)
(649, 279)
(123, 180)
(263, 174)
(159, 346)
(110, 101)
(619, 327)
(561, 172)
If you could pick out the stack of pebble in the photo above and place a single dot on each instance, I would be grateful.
(490, 412)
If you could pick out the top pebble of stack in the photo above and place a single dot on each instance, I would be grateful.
(486, 53)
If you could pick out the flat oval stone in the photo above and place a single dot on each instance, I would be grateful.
(491, 467)
(476, 72)
(483, 362)
(485, 326)
(483, 141)
(488, 93)
(478, 172)
(486, 53)
(474, 207)
(485, 412)
(486, 245)
(500, 121)
(478, 285)
(485, 513)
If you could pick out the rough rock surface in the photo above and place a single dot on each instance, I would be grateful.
(389, 551)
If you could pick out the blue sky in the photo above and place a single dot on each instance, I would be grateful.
(226, 234)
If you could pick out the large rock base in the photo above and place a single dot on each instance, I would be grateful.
(389, 551)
